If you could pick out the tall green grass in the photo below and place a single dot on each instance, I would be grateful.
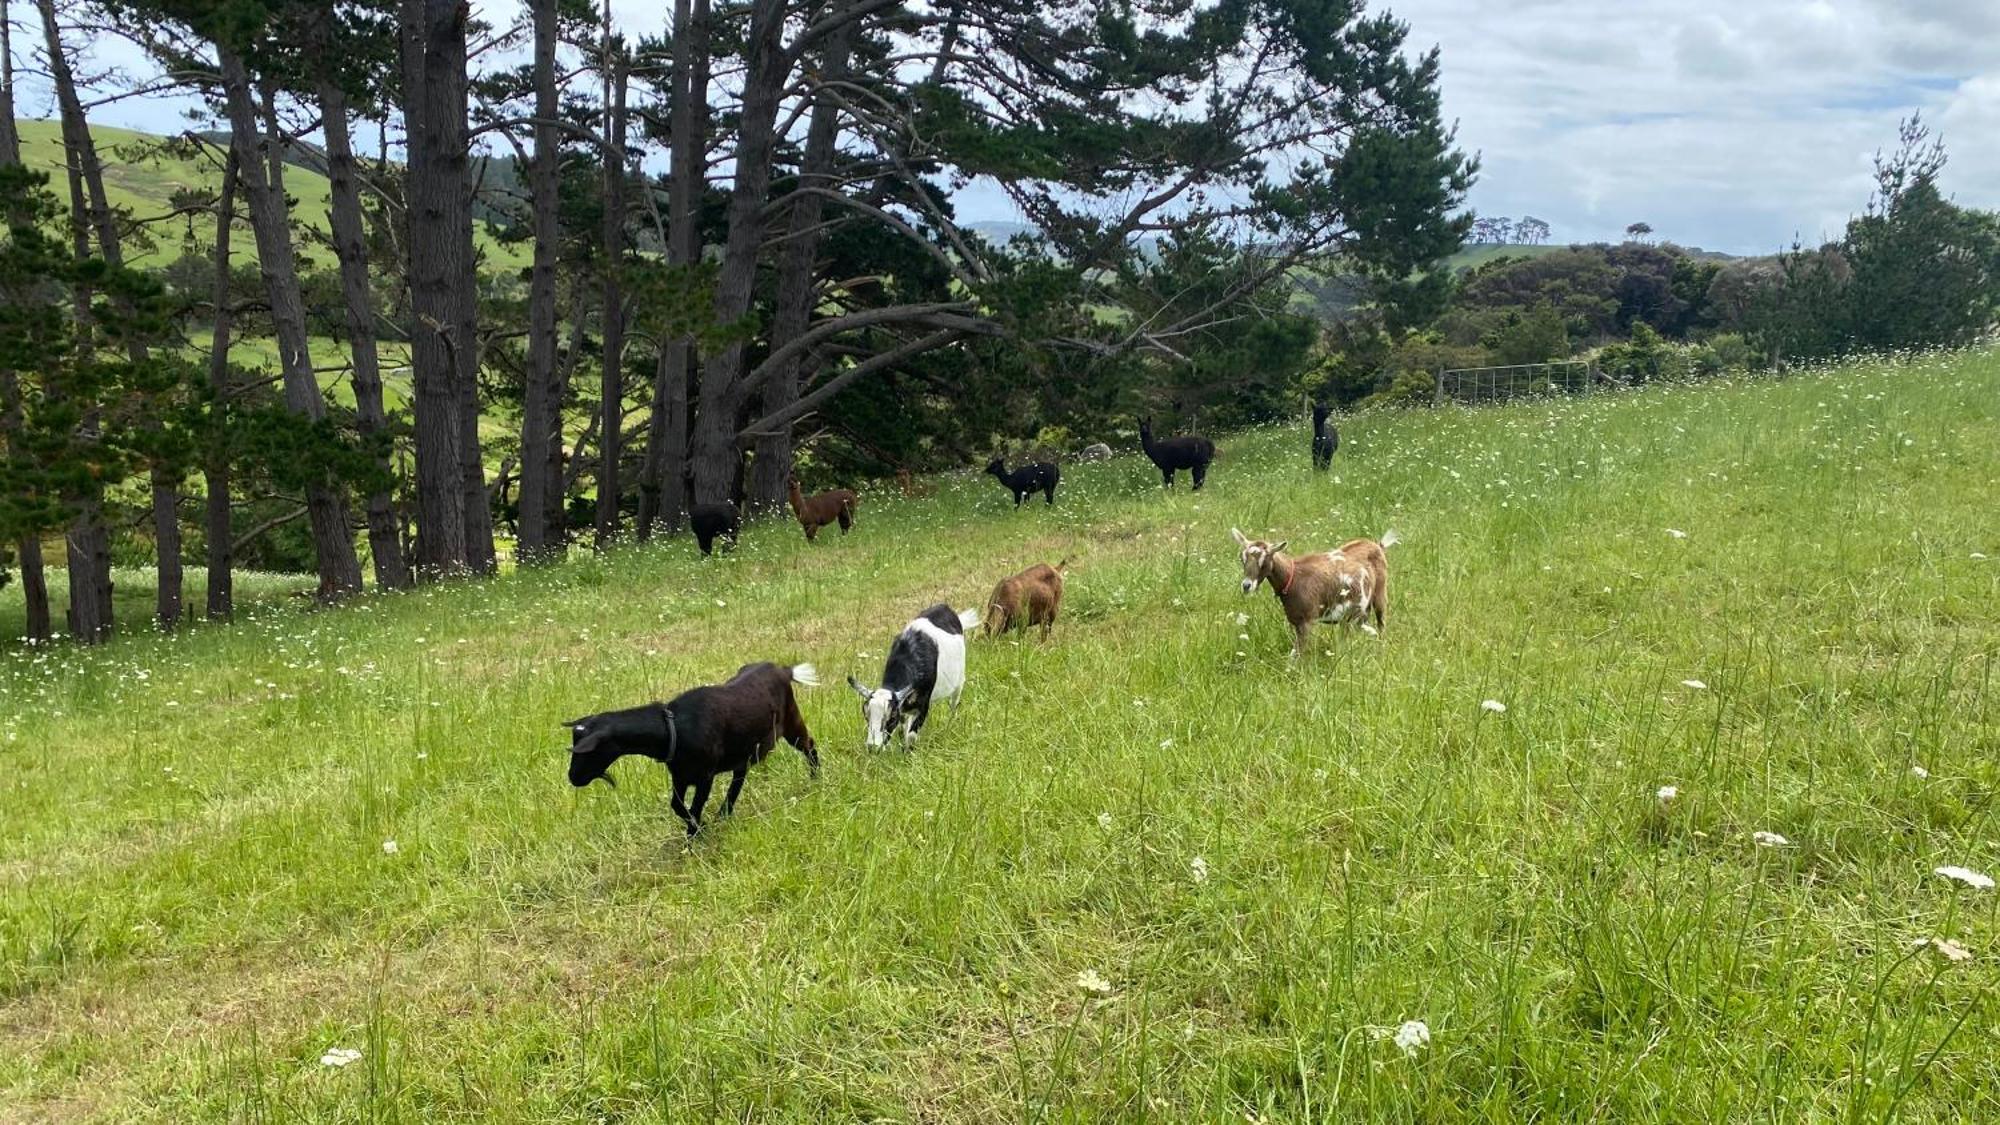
(1271, 867)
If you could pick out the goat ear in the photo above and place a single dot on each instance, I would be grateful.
(863, 692)
(1279, 547)
(1240, 541)
(590, 742)
(904, 696)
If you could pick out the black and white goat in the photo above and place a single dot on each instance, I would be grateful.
(1033, 477)
(1326, 439)
(702, 732)
(926, 664)
(1191, 452)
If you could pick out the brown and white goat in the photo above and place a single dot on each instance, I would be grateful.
(1024, 600)
(1342, 585)
(822, 508)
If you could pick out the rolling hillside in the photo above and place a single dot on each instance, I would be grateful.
(141, 180)
(1634, 812)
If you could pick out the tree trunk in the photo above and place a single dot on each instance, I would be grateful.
(439, 212)
(612, 386)
(772, 466)
(28, 549)
(663, 481)
(90, 618)
(261, 178)
(165, 482)
(540, 536)
(715, 452)
(215, 458)
(350, 247)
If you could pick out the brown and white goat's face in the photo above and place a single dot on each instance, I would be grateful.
(1256, 556)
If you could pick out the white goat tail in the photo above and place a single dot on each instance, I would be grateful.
(805, 675)
(968, 620)
(1390, 539)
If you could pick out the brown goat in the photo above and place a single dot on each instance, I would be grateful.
(1027, 599)
(1336, 586)
(820, 509)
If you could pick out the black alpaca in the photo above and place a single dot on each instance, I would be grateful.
(1033, 477)
(710, 522)
(1326, 439)
(1192, 453)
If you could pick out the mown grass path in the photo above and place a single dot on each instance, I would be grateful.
(1765, 596)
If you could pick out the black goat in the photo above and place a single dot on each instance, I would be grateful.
(702, 732)
(1326, 439)
(1033, 477)
(712, 521)
(1192, 453)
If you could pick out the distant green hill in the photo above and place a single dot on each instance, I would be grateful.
(143, 180)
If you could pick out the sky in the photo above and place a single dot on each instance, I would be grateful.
(1734, 125)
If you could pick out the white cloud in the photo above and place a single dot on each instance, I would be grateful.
(1723, 124)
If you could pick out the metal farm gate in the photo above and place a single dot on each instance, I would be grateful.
(1474, 385)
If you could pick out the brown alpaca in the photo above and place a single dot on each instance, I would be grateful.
(1336, 586)
(1027, 599)
(815, 512)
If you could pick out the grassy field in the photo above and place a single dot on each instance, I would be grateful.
(143, 182)
(1149, 870)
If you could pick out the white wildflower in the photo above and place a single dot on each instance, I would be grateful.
(1495, 706)
(1667, 793)
(1966, 875)
(339, 1056)
(1104, 821)
(1413, 1036)
(1697, 685)
(1979, 556)
(1949, 949)
(1919, 772)
(1770, 839)
(1090, 981)
(1243, 619)
(1200, 869)
(1677, 533)
(389, 847)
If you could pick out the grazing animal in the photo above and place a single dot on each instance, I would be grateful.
(702, 732)
(1337, 586)
(712, 521)
(926, 663)
(1095, 451)
(822, 508)
(1027, 599)
(1192, 453)
(1036, 476)
(1326, 439)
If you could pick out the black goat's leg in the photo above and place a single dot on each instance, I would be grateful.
(735, 787)
(681, 810)
(700, 799)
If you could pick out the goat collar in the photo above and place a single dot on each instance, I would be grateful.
(1289, 575)
(673, 732)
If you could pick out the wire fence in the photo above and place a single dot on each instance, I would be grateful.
(1496, 384)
